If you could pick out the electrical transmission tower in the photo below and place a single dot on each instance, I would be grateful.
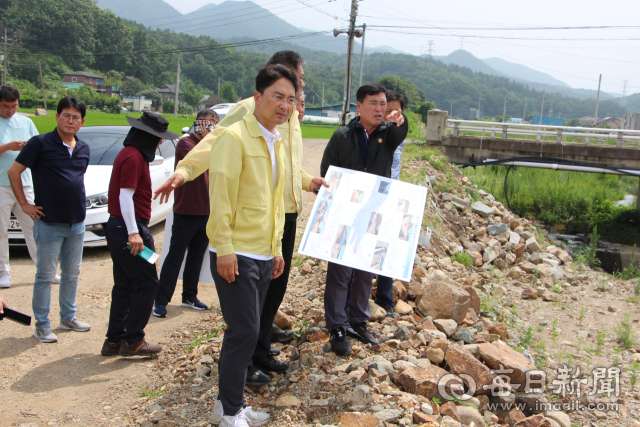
(432, 48)
(625, 83)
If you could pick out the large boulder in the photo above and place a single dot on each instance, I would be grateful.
(461, 361)
(421, 380)
(499, 353)
(442, 298)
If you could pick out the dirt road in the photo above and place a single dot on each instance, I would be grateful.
(69, 382)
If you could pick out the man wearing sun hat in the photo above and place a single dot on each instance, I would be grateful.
(135, 279)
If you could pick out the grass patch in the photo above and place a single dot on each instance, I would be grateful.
(317, 132)
(462, 258)
(99, 118)
(582, 200)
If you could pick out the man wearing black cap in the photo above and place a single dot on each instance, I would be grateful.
(135, 279)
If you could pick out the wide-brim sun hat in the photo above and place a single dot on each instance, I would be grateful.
(154, 124)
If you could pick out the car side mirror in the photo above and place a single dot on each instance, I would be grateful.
(185, 129)
(157, 161)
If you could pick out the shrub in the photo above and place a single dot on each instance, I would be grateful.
(462, 258)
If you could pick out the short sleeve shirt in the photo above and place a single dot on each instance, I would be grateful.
(130, 170)
(17, 128)
(58, 178)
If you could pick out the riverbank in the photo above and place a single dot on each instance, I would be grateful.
(576, 201)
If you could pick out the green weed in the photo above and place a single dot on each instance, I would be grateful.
(462, 258)
(149, 393)
(298, 261)
(634, 374)
(526, 338)
(624, 331)
(582, 314)
(554, 330)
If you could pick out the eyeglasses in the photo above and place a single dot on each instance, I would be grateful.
(68, 117)
(291, 102)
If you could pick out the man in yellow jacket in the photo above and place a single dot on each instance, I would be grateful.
(296, 179)
(246, 181)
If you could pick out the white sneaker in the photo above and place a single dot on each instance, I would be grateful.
(5, 281)
(217, 414)
(45, 335)
(237, 421)
(56, 279)
(74, 325)
(253, 418)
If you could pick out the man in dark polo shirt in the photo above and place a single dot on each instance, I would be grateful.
(135, 280)
(189, 229)
(58, 161)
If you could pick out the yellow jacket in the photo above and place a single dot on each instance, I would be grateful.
(197, 161)
(247, 215)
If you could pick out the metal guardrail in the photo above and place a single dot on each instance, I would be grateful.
(543, 130)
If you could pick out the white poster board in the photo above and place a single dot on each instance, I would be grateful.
(366, 222)
(205, 271)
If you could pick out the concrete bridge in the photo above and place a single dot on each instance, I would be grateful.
(553, 148)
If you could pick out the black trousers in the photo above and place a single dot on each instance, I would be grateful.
(135, 283)
(277, 289)
(188, 234)
(241, 303)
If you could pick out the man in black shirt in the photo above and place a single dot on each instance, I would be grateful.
(58, 161)
(366, 144)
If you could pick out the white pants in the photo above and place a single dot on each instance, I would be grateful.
(8, 203)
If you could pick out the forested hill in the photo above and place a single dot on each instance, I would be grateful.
(72, 35)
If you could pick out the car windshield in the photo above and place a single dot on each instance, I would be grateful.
(104, 147)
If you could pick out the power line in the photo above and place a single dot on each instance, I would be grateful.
(513, 28)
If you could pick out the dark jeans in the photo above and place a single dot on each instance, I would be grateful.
(341, 281)
(135, 283)
(187, 232)
(277, 289)
(384, 294)
(241, 303)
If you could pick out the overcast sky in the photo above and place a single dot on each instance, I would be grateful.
(568, 56)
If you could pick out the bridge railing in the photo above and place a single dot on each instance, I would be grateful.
(541, 131)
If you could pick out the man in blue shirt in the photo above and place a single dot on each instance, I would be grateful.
(15, 131)
(58, 161)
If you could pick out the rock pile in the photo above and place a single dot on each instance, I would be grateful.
(436, 365)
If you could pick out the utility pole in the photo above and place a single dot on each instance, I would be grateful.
(347, 81)
(595, 116)
(524, 115)
(218, 89)
(44, 95)
(364, 28)
(451, 108)
(175, 108)
(551, 109)
(4, 75)
(479, 98)
(504, 114)
(322, 94)
(542, 107)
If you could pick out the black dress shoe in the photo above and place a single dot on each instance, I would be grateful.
(279, 335)
(256, 377)
(339, 343)
(274, 351)
(360, 332)
(270, 365)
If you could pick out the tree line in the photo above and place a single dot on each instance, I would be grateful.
(73, 35)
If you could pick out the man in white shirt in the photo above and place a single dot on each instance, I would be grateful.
(15, 131)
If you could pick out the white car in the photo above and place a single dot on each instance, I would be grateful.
(105, 143)
(222, 109)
